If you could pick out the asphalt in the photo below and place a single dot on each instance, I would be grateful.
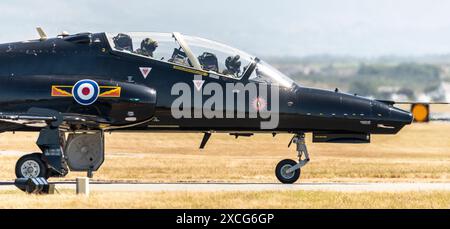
(214, 187)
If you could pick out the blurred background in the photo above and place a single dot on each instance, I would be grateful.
(397, 50)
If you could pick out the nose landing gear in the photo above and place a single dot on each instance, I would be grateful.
(288, 171)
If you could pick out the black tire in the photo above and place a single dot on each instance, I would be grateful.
(281, 174)
(34, 158)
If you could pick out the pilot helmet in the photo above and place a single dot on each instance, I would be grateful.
(123, 42)
(209, 62)
(233, 64)
(149, 45)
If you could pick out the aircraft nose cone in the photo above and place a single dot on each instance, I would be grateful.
(400, 115)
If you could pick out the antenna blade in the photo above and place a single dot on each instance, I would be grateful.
(42, 34)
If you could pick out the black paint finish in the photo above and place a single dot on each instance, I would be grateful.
(28, 70)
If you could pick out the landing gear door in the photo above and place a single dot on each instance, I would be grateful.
(85, 152)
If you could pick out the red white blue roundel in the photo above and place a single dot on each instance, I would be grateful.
(85, 92)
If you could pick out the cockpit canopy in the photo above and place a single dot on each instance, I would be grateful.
(197, 53)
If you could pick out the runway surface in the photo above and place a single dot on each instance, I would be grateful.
(214, 187)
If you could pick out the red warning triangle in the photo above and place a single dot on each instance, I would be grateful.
(145, 71)
(198, 84)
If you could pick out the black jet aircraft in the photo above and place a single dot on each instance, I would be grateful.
(74, 88)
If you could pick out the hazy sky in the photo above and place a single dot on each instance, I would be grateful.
(266, 28)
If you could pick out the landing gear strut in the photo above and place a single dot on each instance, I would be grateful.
(288, 171)
(80, 151)
(51, 161)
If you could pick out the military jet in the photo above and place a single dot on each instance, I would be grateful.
(73, 89)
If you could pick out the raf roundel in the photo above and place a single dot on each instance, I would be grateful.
(85, 92)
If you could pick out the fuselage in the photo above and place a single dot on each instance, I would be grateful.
(40, 73)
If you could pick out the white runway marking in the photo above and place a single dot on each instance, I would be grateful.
(214, 187)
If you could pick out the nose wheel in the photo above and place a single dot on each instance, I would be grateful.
(281, 171)
(288, 171)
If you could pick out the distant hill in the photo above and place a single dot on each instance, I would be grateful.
(388, 77)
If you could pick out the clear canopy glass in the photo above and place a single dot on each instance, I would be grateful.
(196, 52)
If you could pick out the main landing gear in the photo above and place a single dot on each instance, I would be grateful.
(80, 151)
(31, 165)
(288, 171)
(50, 162)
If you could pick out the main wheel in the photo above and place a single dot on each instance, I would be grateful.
(282, 174)
(30, 166)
